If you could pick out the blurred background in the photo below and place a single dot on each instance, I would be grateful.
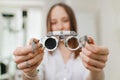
(21, 20)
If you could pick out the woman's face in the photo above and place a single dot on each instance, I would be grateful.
(59, 19)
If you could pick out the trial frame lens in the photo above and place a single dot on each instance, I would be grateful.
(72, 43)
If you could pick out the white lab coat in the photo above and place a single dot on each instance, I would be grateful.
(54, 68)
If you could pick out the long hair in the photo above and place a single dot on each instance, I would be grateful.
(73, 23)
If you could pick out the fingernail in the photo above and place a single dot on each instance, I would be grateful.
(41, 45)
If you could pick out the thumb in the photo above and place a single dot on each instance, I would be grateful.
(33, 40)
(90, 40)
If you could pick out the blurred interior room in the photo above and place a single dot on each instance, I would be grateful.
(21, 20)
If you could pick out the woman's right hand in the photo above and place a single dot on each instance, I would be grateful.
(26, 60)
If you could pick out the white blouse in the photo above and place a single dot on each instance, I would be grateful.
(54, 68)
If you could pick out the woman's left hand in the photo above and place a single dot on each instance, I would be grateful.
(94, 57)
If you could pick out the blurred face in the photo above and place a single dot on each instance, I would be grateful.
(59, 19)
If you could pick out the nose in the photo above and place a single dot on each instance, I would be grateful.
(60, 26)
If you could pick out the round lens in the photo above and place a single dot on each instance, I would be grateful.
(72, 43)
(50, 43)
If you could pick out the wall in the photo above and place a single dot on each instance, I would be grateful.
(110, 36)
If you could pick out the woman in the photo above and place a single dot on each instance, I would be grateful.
(62, 64)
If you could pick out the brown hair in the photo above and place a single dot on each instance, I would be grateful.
(73, 23)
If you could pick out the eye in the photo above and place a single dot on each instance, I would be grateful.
(53, 22)
(65, 20)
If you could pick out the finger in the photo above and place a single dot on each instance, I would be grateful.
(104, 50)
(33, 39)
(32, 62)
(102, 58)
(35, 47)
(90, 40)
(92, 62)
(20, 51)
(97, 49)
(40, 50)
(39, 46)
(36, 59)
(19, 59)
(91, 68)
(26, 70)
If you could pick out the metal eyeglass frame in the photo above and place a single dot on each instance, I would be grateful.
(52, 40)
